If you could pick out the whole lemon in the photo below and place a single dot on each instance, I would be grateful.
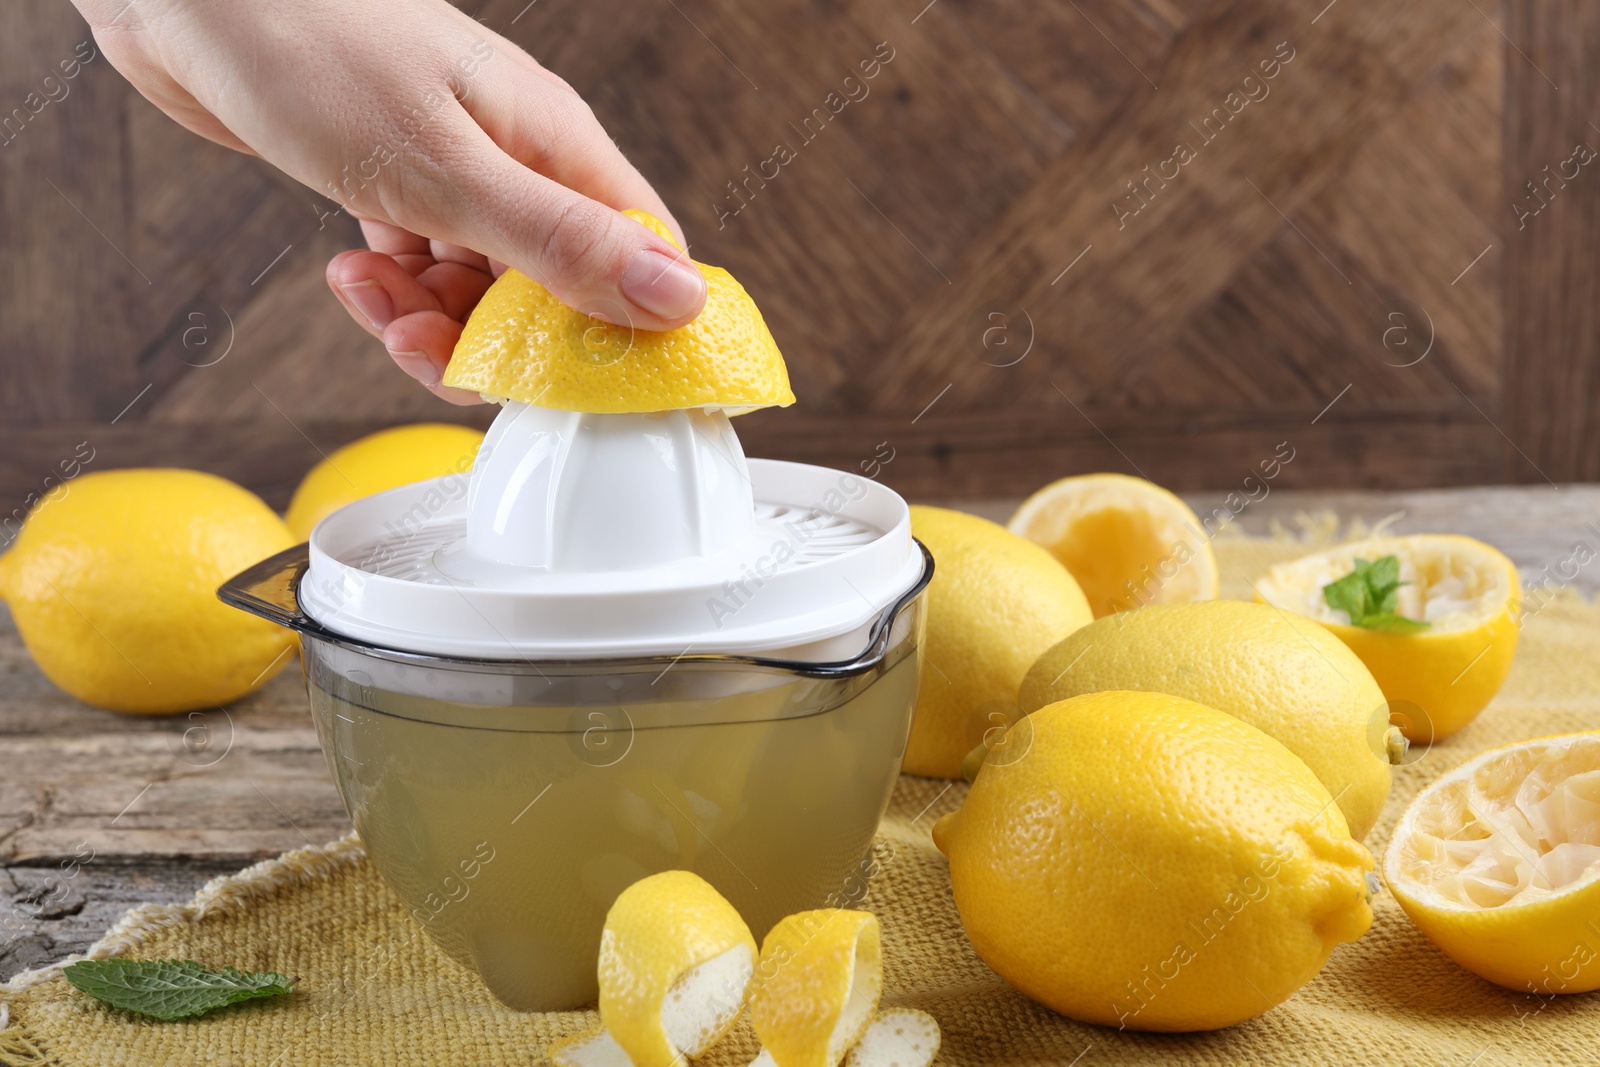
(995, 603)
(1278, 671)
(389, 458)
(1141, 861)
(113, 586)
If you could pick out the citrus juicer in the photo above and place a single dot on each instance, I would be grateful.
(618, 648)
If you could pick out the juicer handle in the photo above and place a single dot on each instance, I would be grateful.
(268, 589)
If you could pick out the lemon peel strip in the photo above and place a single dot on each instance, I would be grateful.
(898, 1037)
(594, 1048)
(675, 966)
(821, 974)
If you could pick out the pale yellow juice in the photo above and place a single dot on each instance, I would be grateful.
(508, 831)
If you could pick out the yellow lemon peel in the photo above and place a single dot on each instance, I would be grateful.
(1127, 541)
(675, 963)
(1439, 679)
(1498, 863)
(817, 986)
(521, 343)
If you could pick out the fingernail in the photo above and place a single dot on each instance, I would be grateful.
(667, 286)
(420, 366)
(372, 300)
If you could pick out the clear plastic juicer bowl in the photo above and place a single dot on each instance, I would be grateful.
(508, 800)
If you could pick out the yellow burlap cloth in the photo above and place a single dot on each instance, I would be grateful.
(374, 990)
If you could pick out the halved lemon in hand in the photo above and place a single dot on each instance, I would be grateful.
(817, 986)
(675, 961)
(1127, 541)
(521, 343)
(1441, 641)
(1498, 863)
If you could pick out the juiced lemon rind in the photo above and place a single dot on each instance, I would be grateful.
(1436, 680)
(1498, 863)
(1452, 583)
(594, 1048)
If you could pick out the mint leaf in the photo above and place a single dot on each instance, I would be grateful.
(170, 989)
(1368, 595)
(1389, 622)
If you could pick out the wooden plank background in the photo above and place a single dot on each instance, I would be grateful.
(1350, 260)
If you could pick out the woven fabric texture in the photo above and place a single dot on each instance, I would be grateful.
(374, 990)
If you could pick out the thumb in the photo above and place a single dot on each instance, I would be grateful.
(590, 256)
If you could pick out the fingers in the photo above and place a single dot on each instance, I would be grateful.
(544, 125)
(417, 317)
(447, 253)
(376, 289)
(421, 344)
(590, 256)
(525, 175)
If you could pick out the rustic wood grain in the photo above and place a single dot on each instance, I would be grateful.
(982, 162)
(1413, 207)
(1552, 295)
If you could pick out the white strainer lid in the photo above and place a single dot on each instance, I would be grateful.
(585, 536)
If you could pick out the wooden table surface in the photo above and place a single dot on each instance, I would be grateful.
(99, 811)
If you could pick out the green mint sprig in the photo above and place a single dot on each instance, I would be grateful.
(171, 989)
(1367, 595)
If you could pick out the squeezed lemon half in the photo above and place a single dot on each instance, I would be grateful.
(1438, 679)
(1498, 863)
(1127, 541)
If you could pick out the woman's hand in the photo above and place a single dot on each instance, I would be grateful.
(459, 153)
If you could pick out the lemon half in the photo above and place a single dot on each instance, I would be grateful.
(1439, 679)
(521, 343)
(675, 962)
(1127, 541)
(1498, 863)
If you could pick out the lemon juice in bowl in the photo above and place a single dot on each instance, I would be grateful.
(617, 648)
(507, 831)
